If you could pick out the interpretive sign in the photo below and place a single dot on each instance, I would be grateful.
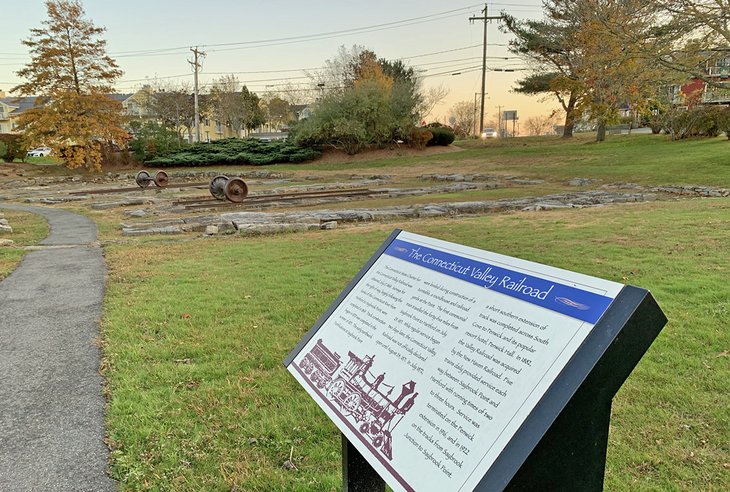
(444, 366)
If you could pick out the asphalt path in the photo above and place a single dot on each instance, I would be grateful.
(51, 406)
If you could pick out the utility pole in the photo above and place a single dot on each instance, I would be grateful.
(474, 126)
(484, 18)
(197, 64)
(499, 119)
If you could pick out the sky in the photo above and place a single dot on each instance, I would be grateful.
(269, 43)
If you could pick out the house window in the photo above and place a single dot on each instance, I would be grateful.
(218, 126)
(206, 122)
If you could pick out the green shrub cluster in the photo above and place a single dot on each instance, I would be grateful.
(701, 121)
(360, 116)
(14, 148)
(441, 135)
(152, 139)
(724, 123)
(235, 151)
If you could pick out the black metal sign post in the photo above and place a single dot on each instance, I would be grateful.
(357, 474)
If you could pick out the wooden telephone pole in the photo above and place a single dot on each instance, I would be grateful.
(484, 18)
(197, 63)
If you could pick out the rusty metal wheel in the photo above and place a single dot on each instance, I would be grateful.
(217, 185)
(235, 190)
(161, 179)
(143, 179)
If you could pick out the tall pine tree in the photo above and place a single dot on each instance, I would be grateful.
(72, 76)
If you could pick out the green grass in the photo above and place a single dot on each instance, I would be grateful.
(643, 159)
(28, 229)
(195, 331)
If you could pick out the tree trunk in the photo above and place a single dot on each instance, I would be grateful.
(601, 131)
(568, 128)
(570, 116)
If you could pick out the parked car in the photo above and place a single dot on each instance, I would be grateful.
(39, 152)
(490, 133)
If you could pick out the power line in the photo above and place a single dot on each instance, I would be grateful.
(297, 39)
(286, 40)
(422, 55)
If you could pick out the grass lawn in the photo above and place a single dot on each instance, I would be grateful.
(195, 330)
(28, 229)
(643, 159)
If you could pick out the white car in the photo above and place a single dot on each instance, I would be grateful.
(39, 152)
(490, 133)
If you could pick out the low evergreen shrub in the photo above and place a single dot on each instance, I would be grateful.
(235, 151)
(442, 135)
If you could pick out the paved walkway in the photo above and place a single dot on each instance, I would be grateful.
(51, 408)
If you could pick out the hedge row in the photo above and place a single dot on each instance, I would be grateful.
(235, 151)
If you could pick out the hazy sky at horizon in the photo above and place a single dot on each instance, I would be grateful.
(253, 39)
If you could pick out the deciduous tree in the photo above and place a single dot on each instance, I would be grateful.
(174, 107)
(613, 73)
(684, 35)
(227, 103)
(374, 101)
(73, 77)
(540, 125)
(553, 54)
(276, 110)
(464, 114)
(578, 56)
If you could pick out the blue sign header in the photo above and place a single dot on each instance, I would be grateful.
(564, 299)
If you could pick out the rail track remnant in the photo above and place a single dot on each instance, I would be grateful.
(258, 200)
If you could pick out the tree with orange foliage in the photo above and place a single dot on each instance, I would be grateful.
(72, 76)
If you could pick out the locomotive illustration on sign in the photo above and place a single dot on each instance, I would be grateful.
(362, 397)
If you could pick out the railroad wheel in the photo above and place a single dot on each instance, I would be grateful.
(143, 179)
(235, 190)
(352, 403)
(364, 428)
(216, 186)
(161, 179)
(335, 389)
